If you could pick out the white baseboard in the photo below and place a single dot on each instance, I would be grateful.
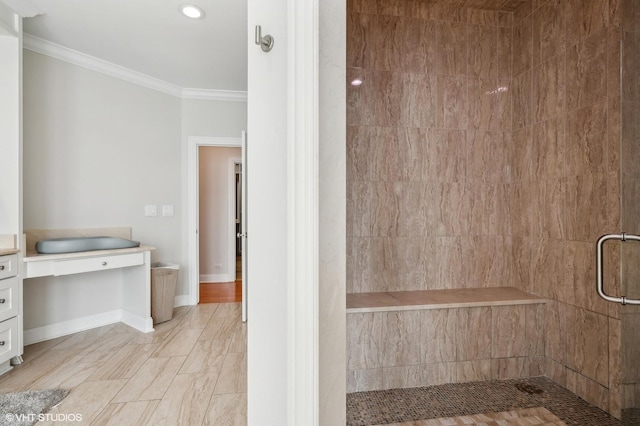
(137, 322)
(181, 300)
(51, 331)
(217, 278)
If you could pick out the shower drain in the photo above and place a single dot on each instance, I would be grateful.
(528, 388)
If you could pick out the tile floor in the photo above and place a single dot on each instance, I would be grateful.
(191, 370)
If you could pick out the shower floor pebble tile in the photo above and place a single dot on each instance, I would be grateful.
(444, 403)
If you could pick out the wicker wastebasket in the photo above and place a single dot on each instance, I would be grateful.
(164, 279)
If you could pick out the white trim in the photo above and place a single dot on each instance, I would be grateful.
(303, 188)
(193, 143)
(132, 320)
(51, 331)
(64, 328)
(231, 244)
(45, 47)
(215, 95)
(181, 300)
(217, 278)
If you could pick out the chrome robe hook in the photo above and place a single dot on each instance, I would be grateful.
(266, 42)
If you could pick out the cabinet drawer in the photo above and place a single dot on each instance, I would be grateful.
(8, 266)
(8, 298)
(8, 339)
(78, 266)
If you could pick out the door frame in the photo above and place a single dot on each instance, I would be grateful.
(193, 144)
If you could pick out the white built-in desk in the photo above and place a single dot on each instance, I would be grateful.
(135, 264)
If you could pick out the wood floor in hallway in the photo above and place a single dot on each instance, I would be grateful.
(192, 370)
(223, 292)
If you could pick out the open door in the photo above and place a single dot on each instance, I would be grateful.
(243, 230)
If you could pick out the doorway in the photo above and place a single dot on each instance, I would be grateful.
(219, 187)
(213, 211)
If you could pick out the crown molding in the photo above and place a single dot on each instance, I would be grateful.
(215, 95)
(45, 47)
(24, 8)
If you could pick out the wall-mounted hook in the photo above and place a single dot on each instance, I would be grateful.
(266, 42)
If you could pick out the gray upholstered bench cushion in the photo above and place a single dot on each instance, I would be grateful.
(77, 244)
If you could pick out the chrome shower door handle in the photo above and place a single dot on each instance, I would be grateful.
(266, 42)
(600, 270)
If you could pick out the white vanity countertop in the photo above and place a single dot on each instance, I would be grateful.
(36, 257)
(7, 251)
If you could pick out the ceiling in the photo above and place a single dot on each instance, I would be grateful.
(152, 37)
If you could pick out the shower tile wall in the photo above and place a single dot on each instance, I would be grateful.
(434, 108)
(483, 149)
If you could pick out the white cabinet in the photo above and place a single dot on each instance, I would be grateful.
(10, 330)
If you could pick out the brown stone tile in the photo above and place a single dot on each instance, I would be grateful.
(523, 155)
(586, 129)
(418, 102)
(548, 209)
(592, 206)
(364, 334)
(535, 330)
(385, 155)
(482, 52)
(399, 330)
(386, 205)
(587, 72)
(358, 153)
(550, 149)
(586, 18)
(522, 98)
(496, 211)
(549, 31)
(452, 49)
(549, 89)
(419, 46)
(587, 344)
(489, 103)
(358, 264)
(508, 341)
(385, 50)
(448, 155)
(504, 52)
(522, 46)
(452, 102)
(358, 39)
(489, 147)
(359, 209)
(473, 339)
(438, 336)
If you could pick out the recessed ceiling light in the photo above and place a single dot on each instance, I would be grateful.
(356, 82)
(192, 11)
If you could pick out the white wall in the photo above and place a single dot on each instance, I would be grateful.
(215, 220)
(96, 150)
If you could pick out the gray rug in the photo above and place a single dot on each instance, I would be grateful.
(23, 408)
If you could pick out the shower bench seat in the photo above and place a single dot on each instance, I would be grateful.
(418, 338)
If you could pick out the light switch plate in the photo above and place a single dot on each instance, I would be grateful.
(150, 210)
(167, 210)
